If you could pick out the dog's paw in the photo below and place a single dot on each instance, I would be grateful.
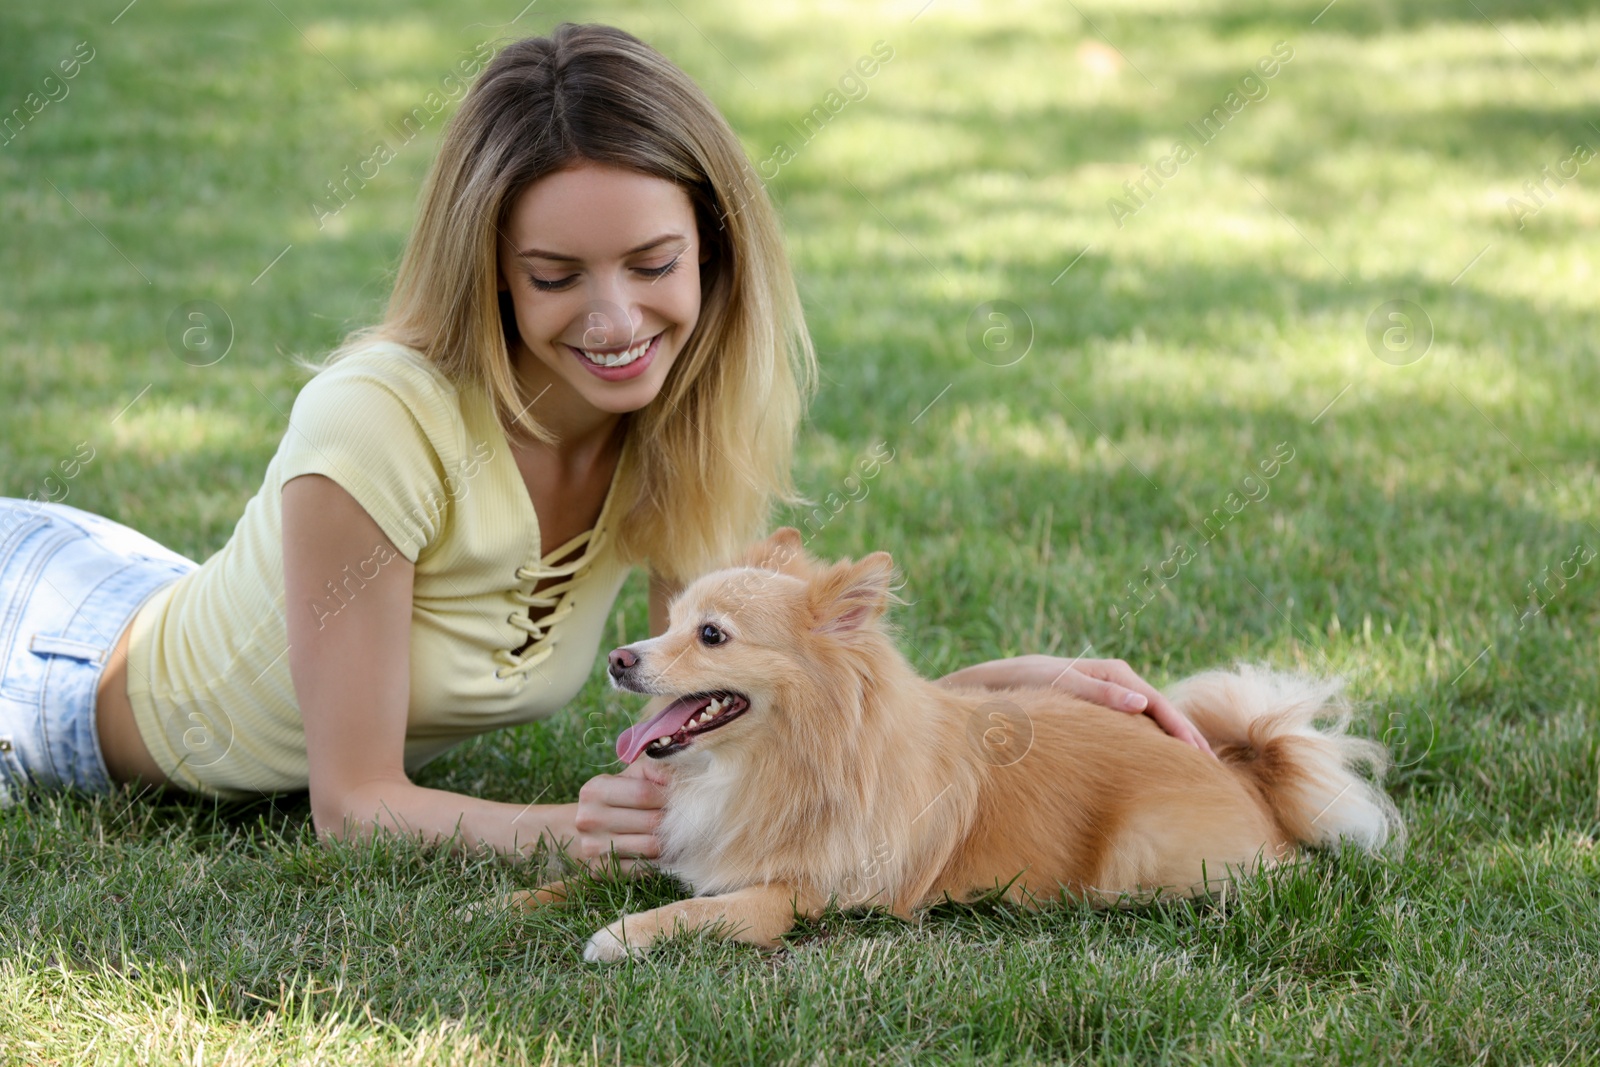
(521, 900)
(609, 945)
(483, 909)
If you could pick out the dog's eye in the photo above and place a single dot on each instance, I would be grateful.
(710, 635)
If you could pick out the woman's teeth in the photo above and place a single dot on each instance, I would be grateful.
(619, 359)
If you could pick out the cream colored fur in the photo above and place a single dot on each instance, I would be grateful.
(852, 780)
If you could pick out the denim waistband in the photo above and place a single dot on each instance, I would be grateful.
(70, 582)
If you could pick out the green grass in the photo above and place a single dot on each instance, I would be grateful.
(1221, 319)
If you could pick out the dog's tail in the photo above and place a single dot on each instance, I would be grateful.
(1261, 722)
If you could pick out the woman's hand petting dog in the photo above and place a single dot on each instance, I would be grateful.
(1108, 682)
(620, 813)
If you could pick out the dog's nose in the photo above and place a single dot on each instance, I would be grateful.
(621, 660)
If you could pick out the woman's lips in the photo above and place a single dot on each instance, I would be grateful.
(623, 371)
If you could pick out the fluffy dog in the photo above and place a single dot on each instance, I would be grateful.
(811, 764)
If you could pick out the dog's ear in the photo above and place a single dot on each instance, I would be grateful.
(850, 596)
(780, 552)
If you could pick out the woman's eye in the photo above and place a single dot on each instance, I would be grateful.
(710, 635)
(558, 284)
(661, 272)
(551, 286)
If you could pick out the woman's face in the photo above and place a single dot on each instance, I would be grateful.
(603, 268)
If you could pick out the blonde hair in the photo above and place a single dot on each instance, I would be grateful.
(713, 450)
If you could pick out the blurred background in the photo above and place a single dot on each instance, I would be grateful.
(1079, 270)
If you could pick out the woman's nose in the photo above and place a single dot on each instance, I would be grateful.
(607, 324)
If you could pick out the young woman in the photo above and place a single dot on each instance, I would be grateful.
(594, 357)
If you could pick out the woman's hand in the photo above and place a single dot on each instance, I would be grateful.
(620, 812)
(1109, 682)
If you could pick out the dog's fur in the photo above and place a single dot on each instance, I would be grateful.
(850, 779)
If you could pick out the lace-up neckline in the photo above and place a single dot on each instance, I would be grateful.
(570, 562)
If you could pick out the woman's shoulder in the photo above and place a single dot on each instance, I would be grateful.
(388, 363)
(375, 383)
(385, 424)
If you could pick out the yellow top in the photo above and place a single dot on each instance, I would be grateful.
(208, 670)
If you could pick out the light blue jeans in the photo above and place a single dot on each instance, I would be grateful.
(70, 582)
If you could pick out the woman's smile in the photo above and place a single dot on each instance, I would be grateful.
(614, 365)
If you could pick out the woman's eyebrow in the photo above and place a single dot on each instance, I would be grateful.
(563, 258)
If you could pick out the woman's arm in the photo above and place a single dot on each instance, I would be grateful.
(351, 676)
(1109, 682)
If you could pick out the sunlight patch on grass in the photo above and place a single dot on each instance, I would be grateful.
(394, 40)
(161, 429)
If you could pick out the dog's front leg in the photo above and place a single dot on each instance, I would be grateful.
(757, 915)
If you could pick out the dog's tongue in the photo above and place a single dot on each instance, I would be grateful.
(668, 721)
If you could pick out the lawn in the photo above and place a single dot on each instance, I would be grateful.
(1088, 271)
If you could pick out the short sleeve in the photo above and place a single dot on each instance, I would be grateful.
(379, 436)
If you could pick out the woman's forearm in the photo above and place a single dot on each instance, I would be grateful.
(1108, 682)
(432, 816)
(966, 676)
(993, 674)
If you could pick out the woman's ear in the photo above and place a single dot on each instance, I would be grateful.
(851, 596)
